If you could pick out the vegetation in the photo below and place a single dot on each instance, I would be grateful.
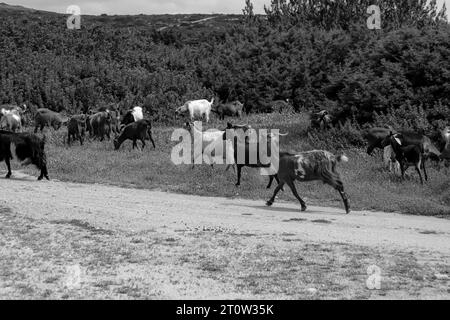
(319, 54)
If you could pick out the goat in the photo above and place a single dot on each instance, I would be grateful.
(242, 144)
(100, 125)
(14, 109)
(375, 137)
(233, 109)
(12, 117)
(131, 116)
(24, 147)
(213, 139)
(389, 160)
(196, 108)
(76, 128)
(445, 155)
(423, 142)
(310, 166)
(115, 119)
(140, 130)
(281, 106)
(11, 121)
(406, 154)
(321, 120)
(45, 117)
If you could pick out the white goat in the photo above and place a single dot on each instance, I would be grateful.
(137, 113)
(197, 108)
(11, 118)
(445, 155)
(390, 161)
(213, 140)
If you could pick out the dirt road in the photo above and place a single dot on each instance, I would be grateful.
(178, 246)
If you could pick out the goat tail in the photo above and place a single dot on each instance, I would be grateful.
(342, 158)
(212, 101)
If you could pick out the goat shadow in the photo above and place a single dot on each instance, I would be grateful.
(283, 209)
(18, 176)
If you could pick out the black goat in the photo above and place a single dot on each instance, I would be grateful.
(247, 153)
(140, 130)
(76, 128)
(407, 154)
(310, 166)
(24, 147)
(321, 120)
(375, 137)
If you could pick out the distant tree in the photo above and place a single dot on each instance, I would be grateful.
(330, 14)
(248, 12)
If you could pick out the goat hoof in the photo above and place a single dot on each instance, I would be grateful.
(269, 204)
(304, 208)
(8, 176)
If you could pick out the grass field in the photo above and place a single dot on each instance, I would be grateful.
(368, 184)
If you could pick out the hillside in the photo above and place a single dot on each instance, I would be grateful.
(152, 21)
(399, 76)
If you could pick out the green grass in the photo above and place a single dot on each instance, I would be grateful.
(368, 184)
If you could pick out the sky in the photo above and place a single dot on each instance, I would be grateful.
(97, 7)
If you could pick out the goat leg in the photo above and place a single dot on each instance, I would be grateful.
(420, 174)
(402, 168)
(345, 200)
(370, 150)
(8, 165)
(153, 142)
(424, 170)
(277, 189)
(43, 174)
(270, 182)
(239, 173)
(291, 185)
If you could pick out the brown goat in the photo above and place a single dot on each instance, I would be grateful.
(310, 166)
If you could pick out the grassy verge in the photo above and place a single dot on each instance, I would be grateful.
(368, 184)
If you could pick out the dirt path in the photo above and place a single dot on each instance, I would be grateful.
(188, 219)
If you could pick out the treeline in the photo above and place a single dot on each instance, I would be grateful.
(319, 54)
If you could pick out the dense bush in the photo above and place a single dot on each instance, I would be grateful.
(333, 62)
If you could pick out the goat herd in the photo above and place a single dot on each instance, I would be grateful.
(401, 149)
(28, 148)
